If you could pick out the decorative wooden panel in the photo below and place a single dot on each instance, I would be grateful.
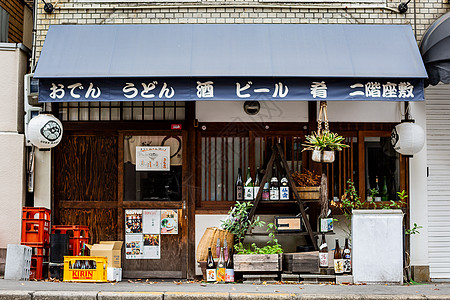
(102, 222)
(86, 168)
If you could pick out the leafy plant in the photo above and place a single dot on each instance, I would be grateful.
(324, 141)
(237, 221)
(272, 248)
(373, 193)
(414, 230)
(350, 200)
(396, 204)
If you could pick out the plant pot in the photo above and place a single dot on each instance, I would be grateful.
(309, 192)
(323, 156)
(257, 262)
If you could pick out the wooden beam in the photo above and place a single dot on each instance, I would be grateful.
(88, 204)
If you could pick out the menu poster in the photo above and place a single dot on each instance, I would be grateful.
(151, 221)
(169, 221)
(134, 246)
(152, 158)
(151, 246)
(133, 221)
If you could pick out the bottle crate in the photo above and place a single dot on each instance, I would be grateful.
(85, 268)
(31, 213)
(78, 236)
(40, 249)
(35, 231)
(39, 267)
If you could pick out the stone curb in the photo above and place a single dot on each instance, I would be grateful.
(59, 295)
(15, 295)
(94, 295)
(131, 295)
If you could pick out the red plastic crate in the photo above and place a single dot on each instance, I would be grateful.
(39, 249)
(39, 267)
(30, 213)
(35, 231)
(78, 236)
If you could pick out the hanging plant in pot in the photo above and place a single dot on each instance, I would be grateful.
(323, 143)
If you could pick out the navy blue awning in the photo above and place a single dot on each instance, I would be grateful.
(213, 52)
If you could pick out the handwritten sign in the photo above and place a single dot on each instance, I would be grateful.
(152, 158)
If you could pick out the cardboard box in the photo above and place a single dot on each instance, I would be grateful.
(111, 249)
(114, 274)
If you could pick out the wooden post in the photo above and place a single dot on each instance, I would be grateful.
(324, 192)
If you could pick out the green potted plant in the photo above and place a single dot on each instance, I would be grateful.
(324, 144)
(237, 221)
(252, 258)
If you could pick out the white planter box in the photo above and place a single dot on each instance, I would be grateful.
(377, 246)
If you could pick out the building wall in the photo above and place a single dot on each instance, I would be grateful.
(15, 8)
(12, 167)
(282, 12)
(224, 11)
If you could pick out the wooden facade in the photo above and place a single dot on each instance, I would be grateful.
(15, 8)
(88, 176)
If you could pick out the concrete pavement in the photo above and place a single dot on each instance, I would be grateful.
(173, 290)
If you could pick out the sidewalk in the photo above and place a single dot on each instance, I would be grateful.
(170, 290)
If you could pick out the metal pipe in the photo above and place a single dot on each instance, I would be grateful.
(33, 47)
(231, 6)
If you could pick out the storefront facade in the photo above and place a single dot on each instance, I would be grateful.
(94, 178)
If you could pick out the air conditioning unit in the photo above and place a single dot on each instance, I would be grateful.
(31, 105)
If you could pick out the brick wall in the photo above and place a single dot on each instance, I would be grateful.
(250, 11)
(15, 10)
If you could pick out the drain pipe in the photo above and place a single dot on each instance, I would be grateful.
(33, 47)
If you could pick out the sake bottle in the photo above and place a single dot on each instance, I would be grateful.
(257, 183)
(211, 272)
(347, 256)
(248, 187)
(221, 267)
(239, 187)
(274, 187)
(338, 261)
(229, 270)
(323, 253)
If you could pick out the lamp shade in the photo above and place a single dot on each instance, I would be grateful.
(408, 138)
(44, 131)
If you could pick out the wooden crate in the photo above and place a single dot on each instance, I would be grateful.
(302, 262)
(257, 262)
(309, 192)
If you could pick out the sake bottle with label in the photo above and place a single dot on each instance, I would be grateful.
(265, 192)
(338, 261)
(248, 187)
(284, 188)
(347, 256)
(274, 187)
(221, 267)
(257, 183)
(211, 272)
(323, 253)
(229, 270)
(239, 187)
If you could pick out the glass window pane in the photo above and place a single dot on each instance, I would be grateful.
(382, 167)
(152, 185)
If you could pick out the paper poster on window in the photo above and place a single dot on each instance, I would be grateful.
(169, 221)
(151, 220)
(151, 246)
(152, 158)
(134, 248)
(133, 221)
